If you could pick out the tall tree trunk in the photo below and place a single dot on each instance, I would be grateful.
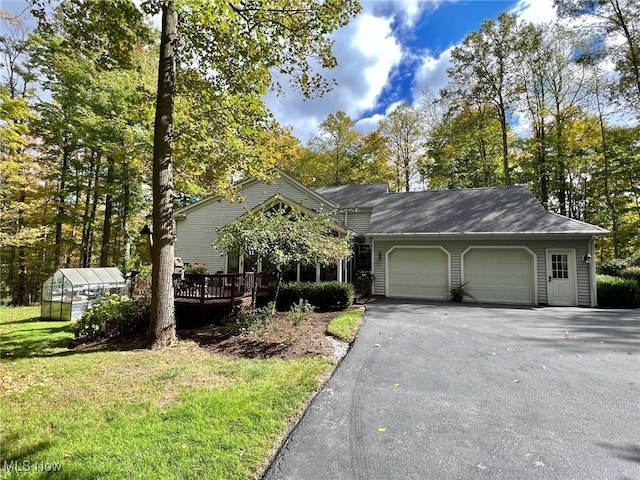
(505, 146)
(60, 209)
(560, 167)
(126, 255)
(84, 242)
(607, 191)
(633, 48)
(22, 264)
(108, 214)
(92, 222)
(482, 150)
(72, 244)
(543, 168)
(162, 329)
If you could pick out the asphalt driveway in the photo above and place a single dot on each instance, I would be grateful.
(448, 391)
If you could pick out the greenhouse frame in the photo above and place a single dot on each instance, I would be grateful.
(71, 291)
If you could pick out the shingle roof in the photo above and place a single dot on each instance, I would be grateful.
(474, 210)
(354, 195)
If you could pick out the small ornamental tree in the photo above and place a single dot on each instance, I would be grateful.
(284, 237)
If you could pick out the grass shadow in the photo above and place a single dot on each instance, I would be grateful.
(24, 452)
(58, 341)
(31, 342)
(25, 320)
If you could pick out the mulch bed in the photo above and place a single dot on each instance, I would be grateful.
(280, 338)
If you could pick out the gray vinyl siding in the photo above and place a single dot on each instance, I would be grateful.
(359, 221)
(584, 290)
(196, 233)
(455, 249)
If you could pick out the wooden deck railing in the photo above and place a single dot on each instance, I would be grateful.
(218, 286)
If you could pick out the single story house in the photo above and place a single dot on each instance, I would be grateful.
(500, 243)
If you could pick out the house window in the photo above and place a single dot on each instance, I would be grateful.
(233, 262)
(250, 263)
(362, 253)
(328, 273)
(559, 265)
(279, 207)
(307, 273)
(290, 273)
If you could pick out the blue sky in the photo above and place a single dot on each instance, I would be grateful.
(391, 52)
(433, 32)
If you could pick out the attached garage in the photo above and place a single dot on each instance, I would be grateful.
(499, 275)
(418, 272)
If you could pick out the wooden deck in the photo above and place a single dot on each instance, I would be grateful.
(208, 292)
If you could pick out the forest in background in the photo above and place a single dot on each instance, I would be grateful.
(76, 134)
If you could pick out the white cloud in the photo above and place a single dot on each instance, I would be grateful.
(406, 12)
(367, 52)
(535, 11)
(431, 74)
(369, 124)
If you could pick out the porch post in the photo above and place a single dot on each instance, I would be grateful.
(339, 269)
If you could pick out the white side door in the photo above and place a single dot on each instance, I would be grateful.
(561, 277)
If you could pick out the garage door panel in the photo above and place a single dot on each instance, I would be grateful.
(418, 273)
(499, 275)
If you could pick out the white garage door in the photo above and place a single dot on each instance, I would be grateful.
(499, 275)
(418, 273)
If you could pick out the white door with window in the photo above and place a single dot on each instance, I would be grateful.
(561, 277)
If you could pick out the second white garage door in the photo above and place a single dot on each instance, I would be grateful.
(414, 272)
(499, 275)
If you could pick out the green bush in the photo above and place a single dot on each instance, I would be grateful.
(327, 296)
(299, 312)
(618, 292)
(254, 320)
(613, 267)
(197, 268)
(113, 316)
(363, 282)
(631, 273)
(634, 259)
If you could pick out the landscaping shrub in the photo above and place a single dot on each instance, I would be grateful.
(613, 267)
(327, 296)
(254, 320)
(364, 282)
(618, 292)
(634, 259)
(632, 273)
(113, 316)
(299, 312)
(196, 268)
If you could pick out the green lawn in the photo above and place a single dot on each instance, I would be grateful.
(178, 413)
(346, 326)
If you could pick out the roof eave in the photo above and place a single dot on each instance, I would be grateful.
(537, 234)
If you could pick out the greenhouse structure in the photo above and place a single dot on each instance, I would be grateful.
(71, 291)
